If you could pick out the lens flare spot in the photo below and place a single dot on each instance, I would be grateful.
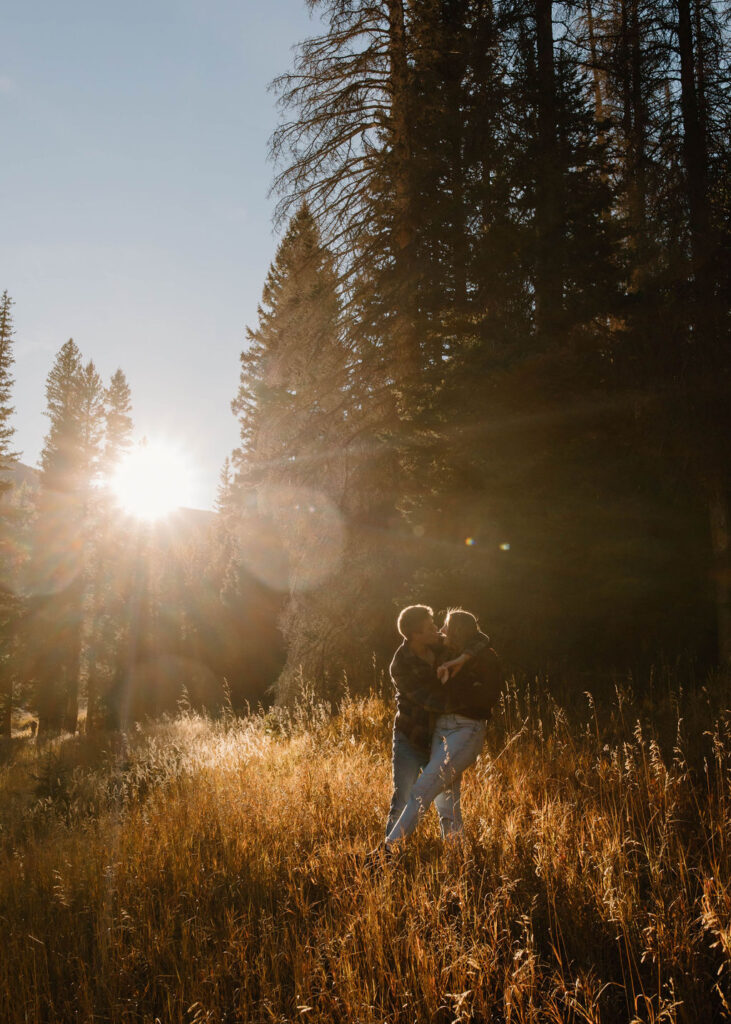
(295, 540)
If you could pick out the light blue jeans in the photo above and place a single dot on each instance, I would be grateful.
(456, 744)
(407, 762)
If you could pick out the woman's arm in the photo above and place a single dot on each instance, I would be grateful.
(451, 668)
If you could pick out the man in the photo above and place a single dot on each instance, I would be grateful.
(420, 697)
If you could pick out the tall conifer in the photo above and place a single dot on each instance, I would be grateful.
(110, 575)
(118, 409)
(517, 218)
(59, 574)
(9, 605)
(294, 408)
(8, 457)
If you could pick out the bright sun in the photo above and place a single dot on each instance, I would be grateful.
(151, 481)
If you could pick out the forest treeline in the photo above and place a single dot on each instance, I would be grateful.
(101, 614)
(490, 368)
(494, 337)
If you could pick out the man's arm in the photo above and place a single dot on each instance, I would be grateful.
(420, 686)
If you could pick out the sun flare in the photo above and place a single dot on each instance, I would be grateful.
(151, 481)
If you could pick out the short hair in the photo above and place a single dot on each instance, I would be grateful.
(411, 618)
(460, 627)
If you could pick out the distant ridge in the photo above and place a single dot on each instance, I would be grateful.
(21, 474)
(197, 516)
(182, 524)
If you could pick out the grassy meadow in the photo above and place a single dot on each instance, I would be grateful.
(211, 870)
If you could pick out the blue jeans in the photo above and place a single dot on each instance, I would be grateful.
(456, 744)
(407, 762)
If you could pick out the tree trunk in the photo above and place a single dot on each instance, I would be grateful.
(634, 130)
(719, 522)
(74, 596)
(694, 147)
(407, 356)
(97, 639)
(696, 168)
(549, 283)
(71, 694)
(93, 720)
(71, 710)
(50, 712)
(700, 62)
(43, 642)
(6, 702)
(596, 77)
(453, 63)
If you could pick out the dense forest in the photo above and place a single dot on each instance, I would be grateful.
(490, 368)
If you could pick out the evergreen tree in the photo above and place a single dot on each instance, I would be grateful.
(93, 413)
(9, 603)
(110, 576)
(118, 405)
(60, 564)
(520, 213)
(8, 457)
(669, 342)
(226, 489)
(348, 152)
(704, 429)
(294, 409)
(294, 372)
(60, 457)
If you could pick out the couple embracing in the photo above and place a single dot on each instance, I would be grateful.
(446, 683)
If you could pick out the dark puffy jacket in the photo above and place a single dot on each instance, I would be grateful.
(475, 689)
(420, 697)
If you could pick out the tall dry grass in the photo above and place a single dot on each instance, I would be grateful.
(212, 871)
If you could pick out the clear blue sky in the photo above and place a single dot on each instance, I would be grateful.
(133, 201)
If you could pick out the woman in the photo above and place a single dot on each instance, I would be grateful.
(459, 732)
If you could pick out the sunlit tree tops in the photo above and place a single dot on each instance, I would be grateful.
(293, 373)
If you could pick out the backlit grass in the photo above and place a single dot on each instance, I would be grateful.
(211, 871)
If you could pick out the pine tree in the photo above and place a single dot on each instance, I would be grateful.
(475, 230)
(60, 457)
(118, 436)
(60, 563)
(9, 603)
(347, 151)
(671, 161)
(294, 412)
(526, 202)
(109, 577)
(294, 372)
(226, 488)
(8, 457)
